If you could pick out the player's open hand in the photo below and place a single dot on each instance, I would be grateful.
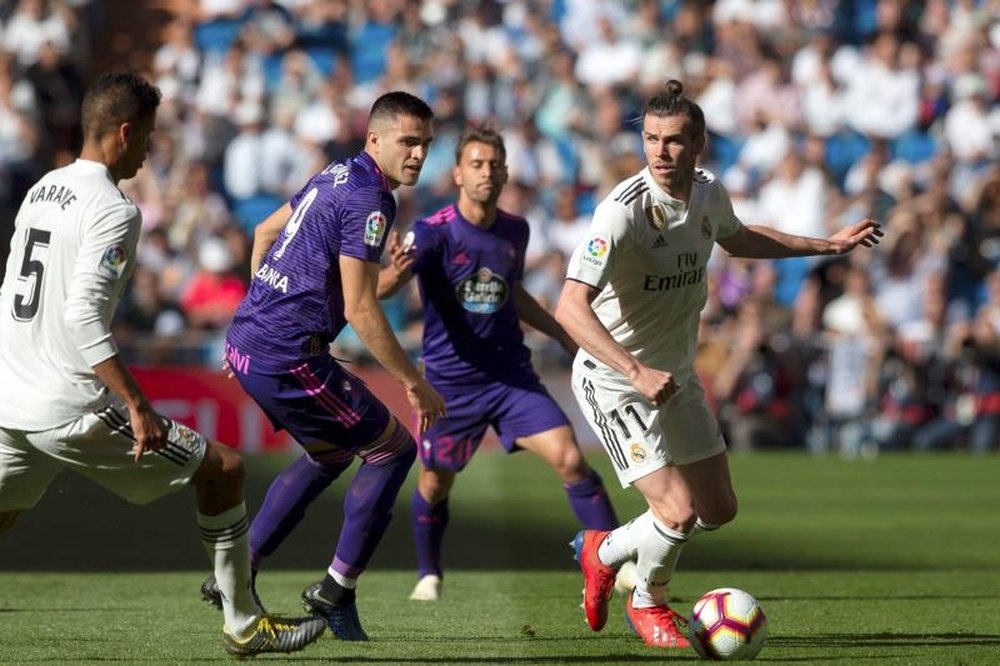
(149, 429)
(867, 232)
(399, 253)
(427, 402)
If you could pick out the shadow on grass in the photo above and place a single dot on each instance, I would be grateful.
(884, 640)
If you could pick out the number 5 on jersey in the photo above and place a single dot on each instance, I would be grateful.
(28, 300)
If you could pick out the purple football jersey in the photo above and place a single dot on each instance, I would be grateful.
(295, 305)
(467, 276)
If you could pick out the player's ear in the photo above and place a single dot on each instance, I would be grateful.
(699, 144)
(456, 175)
(372, 139)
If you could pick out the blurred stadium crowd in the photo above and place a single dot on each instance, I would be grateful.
(820, 112)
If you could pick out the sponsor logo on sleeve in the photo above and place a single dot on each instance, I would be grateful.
(375, 227)
(706, 227)
(113, 260)
(408, 240)
(595, 252)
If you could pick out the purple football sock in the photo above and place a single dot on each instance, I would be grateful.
(429, 523)
(368, 505)
(590, 503)
(290, 493)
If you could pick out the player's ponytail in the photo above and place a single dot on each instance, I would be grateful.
(672, 102)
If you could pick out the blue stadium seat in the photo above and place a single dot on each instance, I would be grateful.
(843, 150)
(915, 146)
(368, 49)
(790, 274)
(725, 151)
(325, 59)
(216, 35)
(272, 65)
(586, 202)
(251, 211)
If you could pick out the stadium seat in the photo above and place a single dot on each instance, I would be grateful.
(272, 65)
(368, 49)
(790, 274)
(324, 58)
(915, 146)
(251, 211)
(843, 150)
(216, 35)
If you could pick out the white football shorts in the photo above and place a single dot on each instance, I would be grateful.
(98, 446)
(640, 438)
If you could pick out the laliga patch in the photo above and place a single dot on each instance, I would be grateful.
(113, 261)
(595, 252)
(375, 227)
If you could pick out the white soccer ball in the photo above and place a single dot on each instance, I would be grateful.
(727, 624)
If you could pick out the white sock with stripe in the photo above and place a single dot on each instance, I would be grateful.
(620, 546)
(226, 540)
(659, 548)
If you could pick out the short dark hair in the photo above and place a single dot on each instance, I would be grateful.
(399, 103)
(672, 102)
(480, 134)
(116, 98)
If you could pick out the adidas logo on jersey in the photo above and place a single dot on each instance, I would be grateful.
(660, 241)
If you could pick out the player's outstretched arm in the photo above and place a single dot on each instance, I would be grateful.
(359, 279)
(265, 233)
(533, 314)
(577, 317)
(759, 242)
(393, 277)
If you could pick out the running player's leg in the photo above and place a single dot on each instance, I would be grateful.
(445, 449)
(99, 446)
(584, 487)
(25, 474)
(429, 516)
(367, 512)
(526, 416)
(288, 496)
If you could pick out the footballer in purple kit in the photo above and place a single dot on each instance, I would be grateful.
(469, 262)
(315, 266)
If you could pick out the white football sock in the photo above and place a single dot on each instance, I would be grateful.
(341, 579)
(659, 548)
(619, 546)
(228, 546)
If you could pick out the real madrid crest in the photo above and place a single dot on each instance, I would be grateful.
(656, 217)
(638, 453)
(706, 227)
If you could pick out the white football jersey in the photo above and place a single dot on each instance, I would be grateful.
(72, 253)
(646, 252)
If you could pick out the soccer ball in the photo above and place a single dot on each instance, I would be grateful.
(727, 624)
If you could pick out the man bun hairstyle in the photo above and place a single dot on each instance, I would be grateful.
(399, 103)
(116, 98)
(484, 133)
(672, 102)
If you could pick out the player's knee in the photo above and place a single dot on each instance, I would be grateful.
(221, 467)
(435, 485)
(720, 513)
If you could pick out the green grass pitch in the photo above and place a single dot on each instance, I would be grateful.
(891, 561)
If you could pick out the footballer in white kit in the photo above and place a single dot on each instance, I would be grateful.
(72, 253)
(647, 253)
(632, 302)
